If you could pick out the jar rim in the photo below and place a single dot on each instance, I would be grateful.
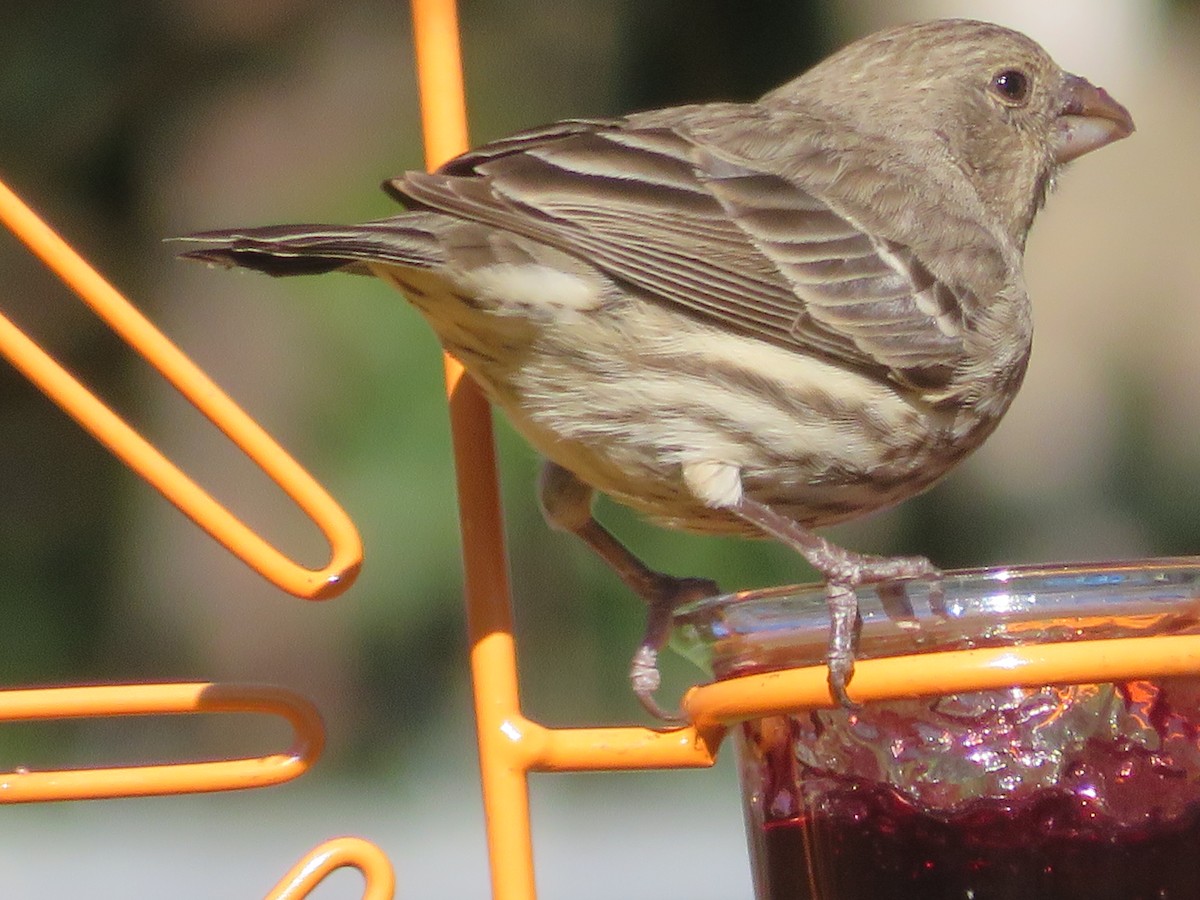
(782, 627)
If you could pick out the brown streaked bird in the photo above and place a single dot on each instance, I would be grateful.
(744, 318)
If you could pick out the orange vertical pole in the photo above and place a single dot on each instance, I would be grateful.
(489, 604)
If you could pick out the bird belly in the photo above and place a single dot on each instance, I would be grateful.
(626, 393)
(629, 397)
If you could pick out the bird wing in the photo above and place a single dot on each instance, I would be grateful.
(724, 240)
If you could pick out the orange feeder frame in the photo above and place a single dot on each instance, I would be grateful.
(510, 745)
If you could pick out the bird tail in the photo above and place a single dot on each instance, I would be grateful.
(407, 240)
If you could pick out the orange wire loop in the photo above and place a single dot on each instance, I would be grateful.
(510, 745)
(137, 453)
(41, 704)
(332, 855)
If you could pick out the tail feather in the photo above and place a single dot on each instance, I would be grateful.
(408, 240)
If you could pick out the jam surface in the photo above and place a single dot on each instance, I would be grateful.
(869, 843)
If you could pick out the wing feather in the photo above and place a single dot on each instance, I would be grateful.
(722, 239)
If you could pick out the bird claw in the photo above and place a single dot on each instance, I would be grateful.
(663, 596)
(646, 680)
(853, 569)
(839, 677)
(846, 622)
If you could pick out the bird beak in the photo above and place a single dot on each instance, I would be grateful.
(1090, 119)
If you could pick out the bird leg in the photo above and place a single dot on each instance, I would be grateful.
(567, 506)
(844, 570)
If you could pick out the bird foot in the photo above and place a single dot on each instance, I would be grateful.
(663, 596)
(844, 571)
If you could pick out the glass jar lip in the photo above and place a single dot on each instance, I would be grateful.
(787, 626)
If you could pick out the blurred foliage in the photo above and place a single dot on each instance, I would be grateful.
(87, 93)
(693, 52)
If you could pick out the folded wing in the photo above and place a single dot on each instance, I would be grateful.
(721, 239)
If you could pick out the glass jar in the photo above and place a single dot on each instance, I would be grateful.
(1048, 792)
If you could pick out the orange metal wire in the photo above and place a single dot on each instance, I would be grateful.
(488, 599)
(25, 786)
(510, 745)
(335, 854)
(345, 545)
(1083, 662)
(338, 574)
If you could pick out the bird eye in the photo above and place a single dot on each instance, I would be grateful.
(1012, 86)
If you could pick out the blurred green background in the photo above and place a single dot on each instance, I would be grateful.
(130, 121)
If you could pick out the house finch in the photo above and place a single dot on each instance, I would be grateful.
(744, 318)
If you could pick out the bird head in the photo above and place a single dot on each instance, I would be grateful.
(986, 97)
